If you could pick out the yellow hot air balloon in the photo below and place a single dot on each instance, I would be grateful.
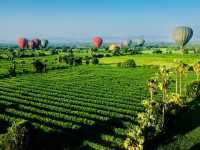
(114, 48)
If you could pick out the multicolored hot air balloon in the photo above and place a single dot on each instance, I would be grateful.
(126, 43)
(22, 42)
(44, 43)
(37, 43)
(182, 35)
(140, 42)
(97, 41)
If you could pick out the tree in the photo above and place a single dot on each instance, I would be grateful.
(12, 68)
(164, 82)
(152, 86)
(182, 70)
(22, 63)
(196, 68)
(39, 66)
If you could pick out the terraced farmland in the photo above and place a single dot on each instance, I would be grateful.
(88, 106)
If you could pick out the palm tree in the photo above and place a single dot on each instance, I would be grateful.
(176, 62)
(164, 78)
(152, 87)
(196, 68)
(182, 70)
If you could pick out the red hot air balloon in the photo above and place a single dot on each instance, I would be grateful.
(97, 41)
(22, 42)
(37, 42)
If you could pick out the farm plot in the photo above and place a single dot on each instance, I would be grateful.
(86, 106)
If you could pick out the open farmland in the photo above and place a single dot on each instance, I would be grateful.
(97, 104)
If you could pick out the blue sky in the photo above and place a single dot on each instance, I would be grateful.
(82, 19)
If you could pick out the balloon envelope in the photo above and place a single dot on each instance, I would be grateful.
(126, 43)
(22, 42)
(97, 41)
(114, 47)
(140, 42)
(37, 42)
(182, 35)
(44, 43)
(31, 44)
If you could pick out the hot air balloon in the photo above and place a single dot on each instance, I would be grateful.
(37, 43)
(182, 35)
(22, 42)
(126, 43)
(31, 44)
(97, 41)
(115, 49)
(44, 43)
(140, 42)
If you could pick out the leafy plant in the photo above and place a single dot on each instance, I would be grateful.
(130, 63)
(193, 89)
(196, 68)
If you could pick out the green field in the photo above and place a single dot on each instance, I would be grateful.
(89, 106)
(97, 102)
(153, 59)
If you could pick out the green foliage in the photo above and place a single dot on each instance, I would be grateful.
(130, 63)
(39, 66)
(157, 51)
(17, 137)
(12, 68)
(95, 60)
(87, 60)
(77, 61)
(193, 89)
(196, 68)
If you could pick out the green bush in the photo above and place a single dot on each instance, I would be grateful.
(130, 63)
(18, 137)
(193, 89)
(157, 51)
(95, 60)
(87, 60)
(39, 66)
(107, 55)
(77, 61)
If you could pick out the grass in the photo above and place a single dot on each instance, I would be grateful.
(152, 59)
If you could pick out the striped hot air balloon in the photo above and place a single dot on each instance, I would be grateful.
(44, 43)
(182, 35)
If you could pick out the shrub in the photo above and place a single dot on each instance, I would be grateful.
(119, 64)
(39, 66)
(12, 69)
(130, 63)
(69, 59)
(54, 52)
(157, 51)
(107, 55)
(77, 61)
(98, 55)
(87, 60)
(95, 60)
(193, 89)
(18, 136)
